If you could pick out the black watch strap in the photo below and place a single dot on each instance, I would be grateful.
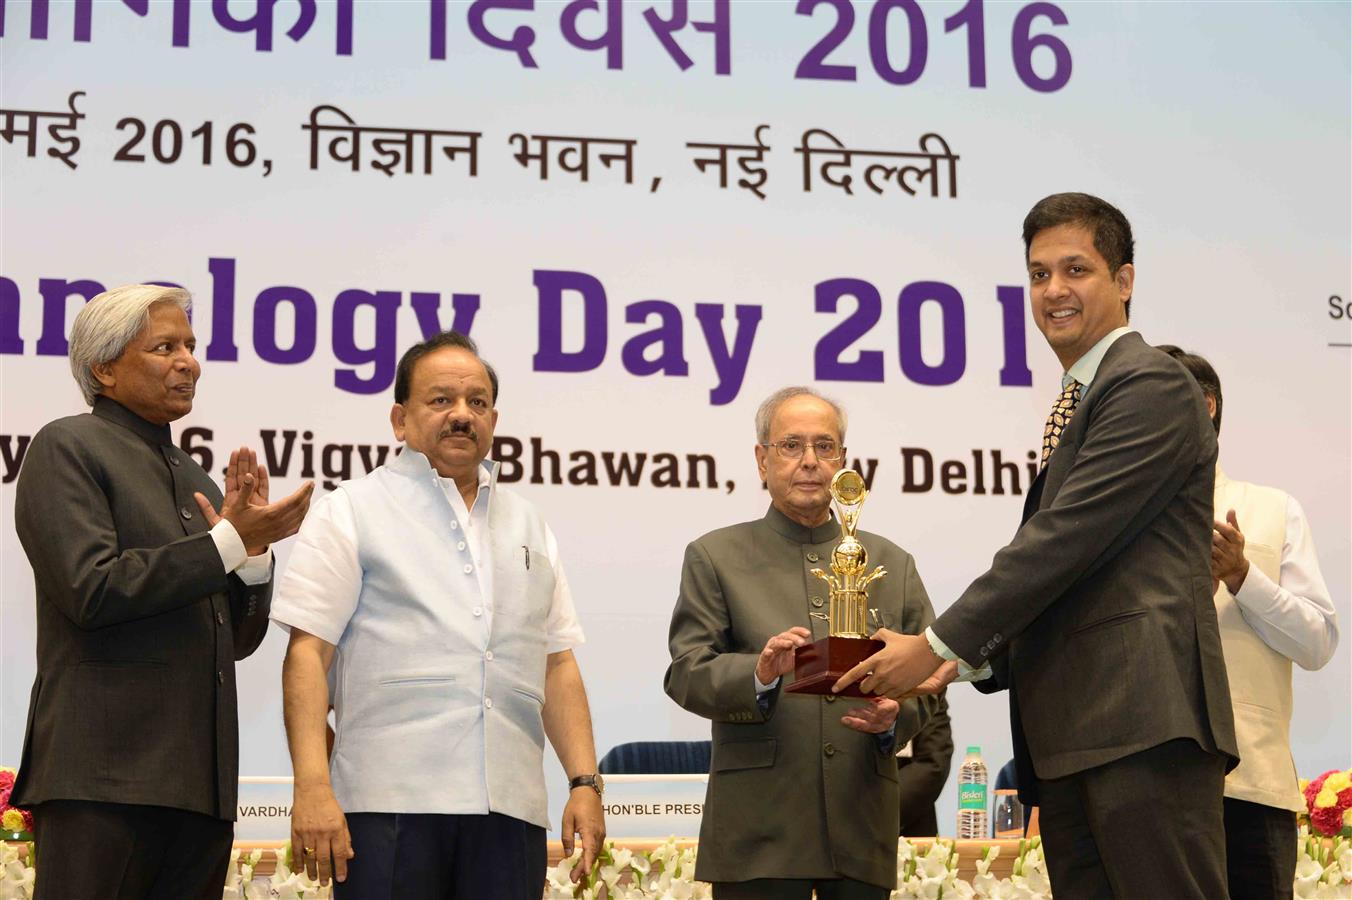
(592, 781)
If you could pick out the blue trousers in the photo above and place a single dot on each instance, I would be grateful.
(443, 857)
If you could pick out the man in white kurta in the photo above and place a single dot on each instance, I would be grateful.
(435, 602)
(1274, 609)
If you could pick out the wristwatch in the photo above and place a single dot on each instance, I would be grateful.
(595, 782)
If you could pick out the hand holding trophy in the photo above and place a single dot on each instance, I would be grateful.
(817, 666)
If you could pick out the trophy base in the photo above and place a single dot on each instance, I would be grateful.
(818, 666)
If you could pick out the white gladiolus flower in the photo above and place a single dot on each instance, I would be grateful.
(559, 880)
(933, 867)
(1345, 862)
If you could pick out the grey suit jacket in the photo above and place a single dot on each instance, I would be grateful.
(1098, 614)
(793, 793)
(139, 625)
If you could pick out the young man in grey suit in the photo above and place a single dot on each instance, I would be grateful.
(802, 789)
(146, 597)
(1098, 615)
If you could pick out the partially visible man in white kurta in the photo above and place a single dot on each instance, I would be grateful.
(439, 599)
(1274, 609)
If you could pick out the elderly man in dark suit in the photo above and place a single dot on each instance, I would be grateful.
(146, 597)
(803, 789)
(1098, 615)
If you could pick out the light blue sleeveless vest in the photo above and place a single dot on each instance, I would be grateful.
(439, 690)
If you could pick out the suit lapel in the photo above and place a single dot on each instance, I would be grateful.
(1053, 475)
(1032, 502)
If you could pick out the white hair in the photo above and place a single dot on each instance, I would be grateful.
(766, 413)
(110, 322)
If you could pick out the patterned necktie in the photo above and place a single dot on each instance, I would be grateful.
(1062, 410)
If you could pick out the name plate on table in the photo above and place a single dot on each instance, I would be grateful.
(638, 806)
(264, 810)
(654, 806)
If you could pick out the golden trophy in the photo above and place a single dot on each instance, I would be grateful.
(818, 666)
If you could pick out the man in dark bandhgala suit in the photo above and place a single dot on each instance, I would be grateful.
(1098, 615)
(150, 585)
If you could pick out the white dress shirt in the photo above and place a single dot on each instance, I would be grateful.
(1294, 615)
(235, 558)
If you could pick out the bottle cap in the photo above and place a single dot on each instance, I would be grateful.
(974, 749)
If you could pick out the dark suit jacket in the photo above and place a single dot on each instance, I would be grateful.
(921, 776)
(1098, 615)
(792, 793)
(139, 626)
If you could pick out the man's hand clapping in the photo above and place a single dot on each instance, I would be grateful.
(246, 507)
(1228, 562)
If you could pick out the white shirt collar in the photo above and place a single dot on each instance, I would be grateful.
(1086, 367)
(486, 472)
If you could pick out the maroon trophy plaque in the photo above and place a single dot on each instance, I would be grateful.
(819, 665)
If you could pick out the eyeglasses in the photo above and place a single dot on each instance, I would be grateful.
(793, 448)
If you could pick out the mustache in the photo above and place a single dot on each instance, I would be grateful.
(459, 427)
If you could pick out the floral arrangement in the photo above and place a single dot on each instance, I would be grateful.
(1323, 868)
(282, 884)
(1328, 803)
(16, 875)
(667, 872)
(934, 873)
(928, 870)
(12, 819)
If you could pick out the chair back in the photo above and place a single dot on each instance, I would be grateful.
(658, 758)
(1006, 779)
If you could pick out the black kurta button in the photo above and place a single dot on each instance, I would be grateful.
(830, 698)
(220, 677)
(813, 557)
(220, 618)
(185, 512)
(829, 749)
(817, 602)
(175, 461)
